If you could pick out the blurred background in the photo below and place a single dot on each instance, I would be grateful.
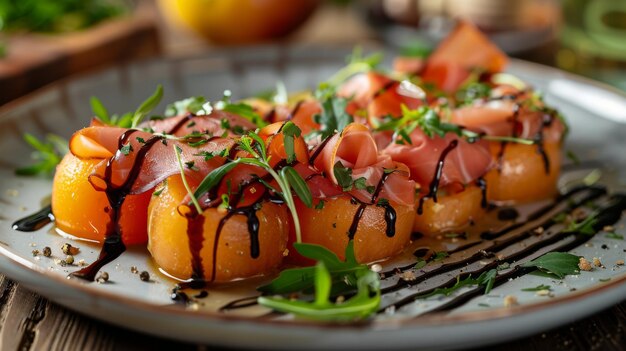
(42, 41)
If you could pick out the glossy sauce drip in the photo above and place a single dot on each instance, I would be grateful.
(503, 144)
(482, 184)
(318, 150)
(390, 213)
(383, 90)
(195, 234)
(295, 109)
(547, 119)
(188, 117)
(35, 221)
(113, 245)
(434, 184)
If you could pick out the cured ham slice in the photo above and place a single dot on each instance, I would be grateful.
(463, 164)
(208, 124)
(501, 116)
(355, 149)
(153, 158)
(377, 94)
(465, 49)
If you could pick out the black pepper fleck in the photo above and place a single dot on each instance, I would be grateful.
(144, 276)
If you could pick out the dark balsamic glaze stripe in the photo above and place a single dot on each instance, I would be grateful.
(390, 213)
(525, 230)
(383, 90)
(181, 123)
(35, 221)
(608, 215)
(113, 245)
(482, 184)
(434, 184)
(318, 150)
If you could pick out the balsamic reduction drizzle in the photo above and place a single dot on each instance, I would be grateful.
(35, 221)
(195, 231)
(183, 121)
(113, 245)
(318, 150)
(434, 184)
(482, 184)
(390, 213)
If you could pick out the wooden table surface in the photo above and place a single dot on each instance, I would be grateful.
(28, 321)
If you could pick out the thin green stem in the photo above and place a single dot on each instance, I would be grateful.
(182, 175)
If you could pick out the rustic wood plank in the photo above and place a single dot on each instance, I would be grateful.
(25, 311)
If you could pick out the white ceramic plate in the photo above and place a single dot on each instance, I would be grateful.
(597, 115)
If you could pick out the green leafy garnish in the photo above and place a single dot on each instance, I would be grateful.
(147, 106)
(559, 264)
(196, 105)
(614, 235)
(47, 154)
(486, 279)
(290, 132)
(301, 279)
(538, 288)
(333, 117)
(586, 226)
(330, 276)
(472, 91)
(360, 306)
(357, 63)
(573, 157)
(181, 168)
(287, 178)
(428, 121)
(128, 119)
(440, 255)
(343, 176)
(101, 113)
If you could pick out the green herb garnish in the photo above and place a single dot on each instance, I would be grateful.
(357, 63)
(586, 226)
(147, 106)
(333, 117)
(559, 264)
(614, 235)
(287, 178)
(290, 132)
(538, 288)
(47, 154)
(330, 276)
(429, 122)
(486, 279)
(196, 105)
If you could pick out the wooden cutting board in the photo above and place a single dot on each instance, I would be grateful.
(34, 60)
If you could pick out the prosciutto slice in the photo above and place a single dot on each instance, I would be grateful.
(463, 164)
(501, 116)
(153, 158)
(355, 149)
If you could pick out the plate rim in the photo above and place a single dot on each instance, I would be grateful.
(20, 265)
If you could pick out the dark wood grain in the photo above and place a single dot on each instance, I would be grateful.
(30, 322)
